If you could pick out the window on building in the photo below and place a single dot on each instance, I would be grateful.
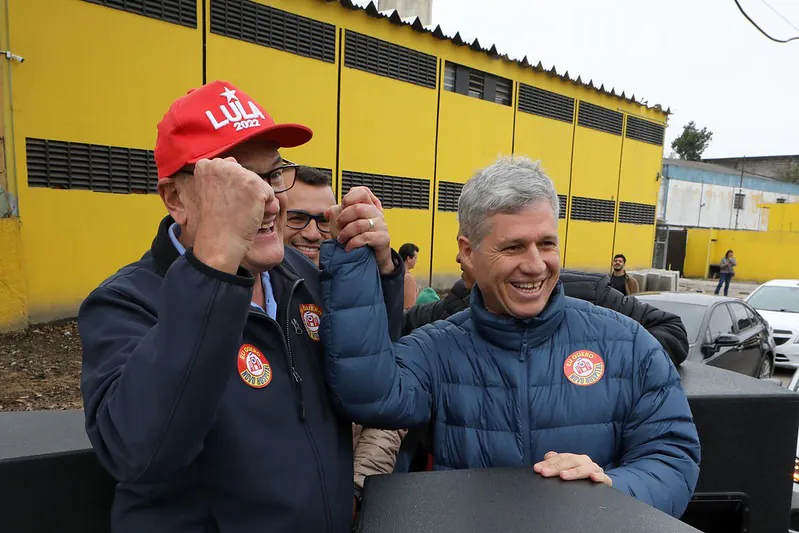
(780, 200)
(477, 84)
(739, 201)
(503, 92)
(449, 77)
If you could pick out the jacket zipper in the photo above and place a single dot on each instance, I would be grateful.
(523, 398)
(298, 384)
(287, 342)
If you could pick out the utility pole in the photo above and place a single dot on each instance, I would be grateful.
(740, 191)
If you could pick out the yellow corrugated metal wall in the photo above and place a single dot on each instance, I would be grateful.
(100, 76)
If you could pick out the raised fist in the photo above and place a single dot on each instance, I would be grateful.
(230, 202)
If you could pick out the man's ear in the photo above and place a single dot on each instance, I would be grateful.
(174, 199)
(465, 250)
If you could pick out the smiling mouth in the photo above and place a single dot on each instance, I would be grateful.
(529, 288)
(267, 228)
(307, 249)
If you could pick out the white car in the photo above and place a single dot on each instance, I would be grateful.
(778, 302)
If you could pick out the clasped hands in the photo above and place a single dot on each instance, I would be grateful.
(569, 466)
(358, 221)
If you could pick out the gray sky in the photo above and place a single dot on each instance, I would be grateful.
(702, 58)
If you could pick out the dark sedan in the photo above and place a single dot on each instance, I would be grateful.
(722, 332)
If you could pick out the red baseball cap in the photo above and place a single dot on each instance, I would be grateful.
(213, 119)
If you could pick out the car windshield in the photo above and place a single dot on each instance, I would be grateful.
(774, 298)
(691, 314)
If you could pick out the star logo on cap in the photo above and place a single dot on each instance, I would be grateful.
(229, 94)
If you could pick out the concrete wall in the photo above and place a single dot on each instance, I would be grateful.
(761, 256)
(702, 195)
(708, 205)
(777, 167)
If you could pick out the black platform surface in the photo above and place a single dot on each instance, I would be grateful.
(748, 431)
(510, 500)
(703, 381)
(28, 434)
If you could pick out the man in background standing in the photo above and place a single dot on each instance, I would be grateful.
(620, 280)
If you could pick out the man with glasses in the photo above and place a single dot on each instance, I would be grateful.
(202, 379)
(375, 450)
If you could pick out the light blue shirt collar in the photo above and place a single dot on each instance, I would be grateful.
(269, 295)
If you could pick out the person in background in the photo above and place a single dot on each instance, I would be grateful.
(620, 280)
(374, 450)
(202, 374)
(427, 295)
(409, 253)
(726, 272)
(526, 375)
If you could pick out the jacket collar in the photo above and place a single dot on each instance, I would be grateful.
(510, 333)
(164, 254)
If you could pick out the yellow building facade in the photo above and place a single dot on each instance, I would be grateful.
(407, 111)
(761, 255)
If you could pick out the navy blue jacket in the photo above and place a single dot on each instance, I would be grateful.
(193, 446)
(503, 392)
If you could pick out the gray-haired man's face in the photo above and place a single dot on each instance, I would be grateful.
(517, 263)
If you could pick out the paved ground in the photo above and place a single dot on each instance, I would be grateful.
(708, 286)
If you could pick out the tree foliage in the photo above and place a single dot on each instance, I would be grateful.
(692, 142)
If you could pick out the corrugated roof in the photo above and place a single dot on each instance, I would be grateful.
(492, 52)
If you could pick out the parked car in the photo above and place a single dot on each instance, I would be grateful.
(778, 302)
(722, 332)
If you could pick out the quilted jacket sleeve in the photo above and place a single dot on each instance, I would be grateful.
(375, 452)
(372, 381)
(661, 454)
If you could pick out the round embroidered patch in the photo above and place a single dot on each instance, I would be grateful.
(311, 318)
(584, 368)
(253, 367)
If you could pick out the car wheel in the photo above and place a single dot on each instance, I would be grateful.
(766, 368)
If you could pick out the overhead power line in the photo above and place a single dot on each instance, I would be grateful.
(791, 24)
(761, 29)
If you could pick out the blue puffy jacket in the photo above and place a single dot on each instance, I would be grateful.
(498, 389)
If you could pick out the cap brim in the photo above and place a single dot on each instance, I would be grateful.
(284, 135)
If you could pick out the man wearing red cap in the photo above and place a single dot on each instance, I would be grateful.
(202, 378)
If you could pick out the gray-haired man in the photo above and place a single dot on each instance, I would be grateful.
(526, 375)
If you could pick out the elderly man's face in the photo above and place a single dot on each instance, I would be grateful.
(517, 264)
(266, 251)
(305, 200)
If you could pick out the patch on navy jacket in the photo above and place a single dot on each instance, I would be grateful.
(253, 367)
(311, 318)
(584, 368)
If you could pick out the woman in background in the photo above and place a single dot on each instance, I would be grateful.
(726, 272)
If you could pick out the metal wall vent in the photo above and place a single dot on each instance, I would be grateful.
(645, 131)
(600, 118)
(545, 103)
(593, 209)
(448, 194)
(183, 12)
(393, 191)
(267, 26)
(562, 202)
(390, 60)
(633, 213)
(68, 165)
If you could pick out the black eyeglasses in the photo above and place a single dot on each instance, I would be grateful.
(280, 179)
(299, 220)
